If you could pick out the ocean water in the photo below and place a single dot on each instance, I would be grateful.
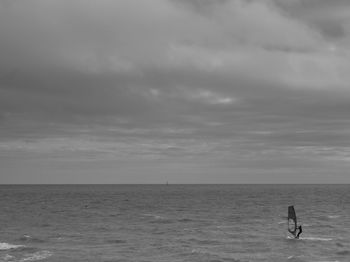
(237, 223)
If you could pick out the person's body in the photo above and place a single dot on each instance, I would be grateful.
(300, 231)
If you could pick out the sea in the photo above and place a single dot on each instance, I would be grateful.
(153, 223)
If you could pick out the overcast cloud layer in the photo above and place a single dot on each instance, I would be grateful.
(185, 91)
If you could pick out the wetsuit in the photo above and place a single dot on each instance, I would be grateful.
(300, 231)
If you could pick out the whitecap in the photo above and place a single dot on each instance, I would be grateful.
(333, 216)
(327, 261)
(311, 238)
(7, 246)
(27, 238)
(40, 255)
(316, 238)
(154, 216)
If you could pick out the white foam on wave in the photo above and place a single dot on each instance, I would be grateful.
(327, 261)
(310, 238)
(40, 255)
(316, 238)
(282, 222)
(7, 246)
(333, 216)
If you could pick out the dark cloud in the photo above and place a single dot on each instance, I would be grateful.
(332, 29)
(327, 16)
(252, 86)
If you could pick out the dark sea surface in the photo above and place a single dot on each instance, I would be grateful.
(236, 223)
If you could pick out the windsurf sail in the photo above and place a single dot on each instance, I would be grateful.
(292, 220)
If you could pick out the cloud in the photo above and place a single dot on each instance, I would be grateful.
(328, 18)
(160, 79)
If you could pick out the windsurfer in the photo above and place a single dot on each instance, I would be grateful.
(300, 231)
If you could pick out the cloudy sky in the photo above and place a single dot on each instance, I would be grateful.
(185, 91)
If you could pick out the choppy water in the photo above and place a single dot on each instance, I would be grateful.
(236, 223)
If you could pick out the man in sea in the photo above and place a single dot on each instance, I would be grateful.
(300, 231)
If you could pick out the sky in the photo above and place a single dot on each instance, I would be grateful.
(184, 91)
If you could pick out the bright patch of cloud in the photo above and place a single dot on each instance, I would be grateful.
(211, 97)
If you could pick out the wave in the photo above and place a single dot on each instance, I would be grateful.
(185, 220)
(328, 217)
(310, 238)
(343, 252)
(162, 221)
(327, 261)
(295, 258)
(192, 229)
(298, 259)
(333, 216)
(215, 257)
(7, 257)
(200, 251)
(205, 241)
(116, 241)
(40, 255)
(154, 216)
(158, 219)
(28, 238)
(225, 259)
(7, 246)
(27, 249)
(316, 238)
(234, 226)
(321, 226)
